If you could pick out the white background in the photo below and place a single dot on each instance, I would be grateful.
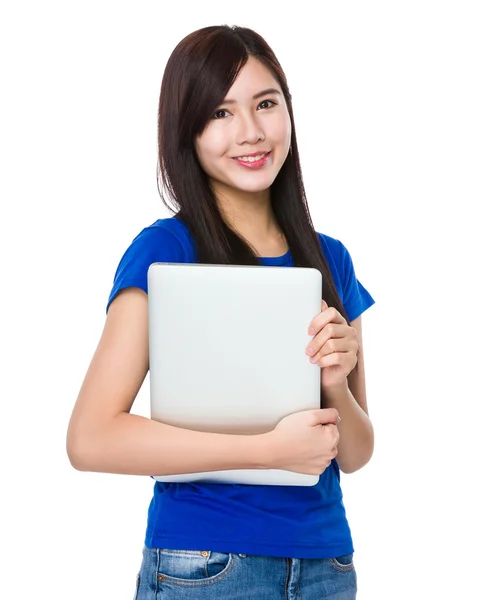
(392, 106)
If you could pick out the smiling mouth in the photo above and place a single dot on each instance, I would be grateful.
(253, 161)
(255, 158)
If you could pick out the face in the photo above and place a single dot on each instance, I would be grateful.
(247, 140)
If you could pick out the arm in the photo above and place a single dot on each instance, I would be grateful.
(356, 438)
(103, 436)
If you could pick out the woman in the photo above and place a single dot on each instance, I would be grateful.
(230, 165)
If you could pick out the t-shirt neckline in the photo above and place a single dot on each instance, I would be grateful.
(275, 260)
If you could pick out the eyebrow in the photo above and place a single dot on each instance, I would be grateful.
(256, 96)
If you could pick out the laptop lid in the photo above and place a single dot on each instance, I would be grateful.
(227, 353)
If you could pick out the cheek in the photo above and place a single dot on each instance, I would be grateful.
(211, 148)
(282, 130)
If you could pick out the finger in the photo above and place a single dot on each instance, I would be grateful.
(334, 432)
(331, 330)
(334, 345)
(330, 315)
(324, 307)
(345, 360)
(325, 416)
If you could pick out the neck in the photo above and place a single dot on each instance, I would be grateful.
(250, 214)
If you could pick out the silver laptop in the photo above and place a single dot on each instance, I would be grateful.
(227, 354)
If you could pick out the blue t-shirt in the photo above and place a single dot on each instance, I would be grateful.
(287, 521)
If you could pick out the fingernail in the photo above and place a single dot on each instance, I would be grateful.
(339, 418)
(311, 331)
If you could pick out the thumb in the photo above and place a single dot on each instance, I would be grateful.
(327, 415)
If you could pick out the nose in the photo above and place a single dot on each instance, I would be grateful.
(249, 130)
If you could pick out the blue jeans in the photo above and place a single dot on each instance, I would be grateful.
(167, 574)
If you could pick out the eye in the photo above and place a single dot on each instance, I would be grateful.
(220, 114)
(267, 104)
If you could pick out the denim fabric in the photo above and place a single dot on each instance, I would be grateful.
(168, 574)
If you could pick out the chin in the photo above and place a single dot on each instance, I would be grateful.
(253, 186)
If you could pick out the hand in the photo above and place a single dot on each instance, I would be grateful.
(334, 346)
(305, 442)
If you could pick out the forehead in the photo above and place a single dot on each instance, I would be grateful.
(253, 77)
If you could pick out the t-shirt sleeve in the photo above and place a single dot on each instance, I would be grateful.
(356, 299)
(151, 245)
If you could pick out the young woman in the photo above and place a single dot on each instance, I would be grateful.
(229, 162)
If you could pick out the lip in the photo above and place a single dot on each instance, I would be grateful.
(255, 153)
(256, 164)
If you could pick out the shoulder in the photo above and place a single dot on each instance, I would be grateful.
(354, 296)
(335, 252)
(328, 242)
(166, 239)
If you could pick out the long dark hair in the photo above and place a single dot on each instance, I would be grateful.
(197, 77)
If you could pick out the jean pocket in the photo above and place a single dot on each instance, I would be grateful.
(193, 567)
(343, 563)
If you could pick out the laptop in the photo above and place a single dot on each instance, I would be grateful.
(227, 354)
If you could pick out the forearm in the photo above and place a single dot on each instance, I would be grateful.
(134, 445)
(356, 438)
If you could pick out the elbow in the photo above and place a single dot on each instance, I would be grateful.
(357, 460)
(76, 455)
(77, 451)
(353, 466)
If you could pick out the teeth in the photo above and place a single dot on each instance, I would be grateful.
(251, 158)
